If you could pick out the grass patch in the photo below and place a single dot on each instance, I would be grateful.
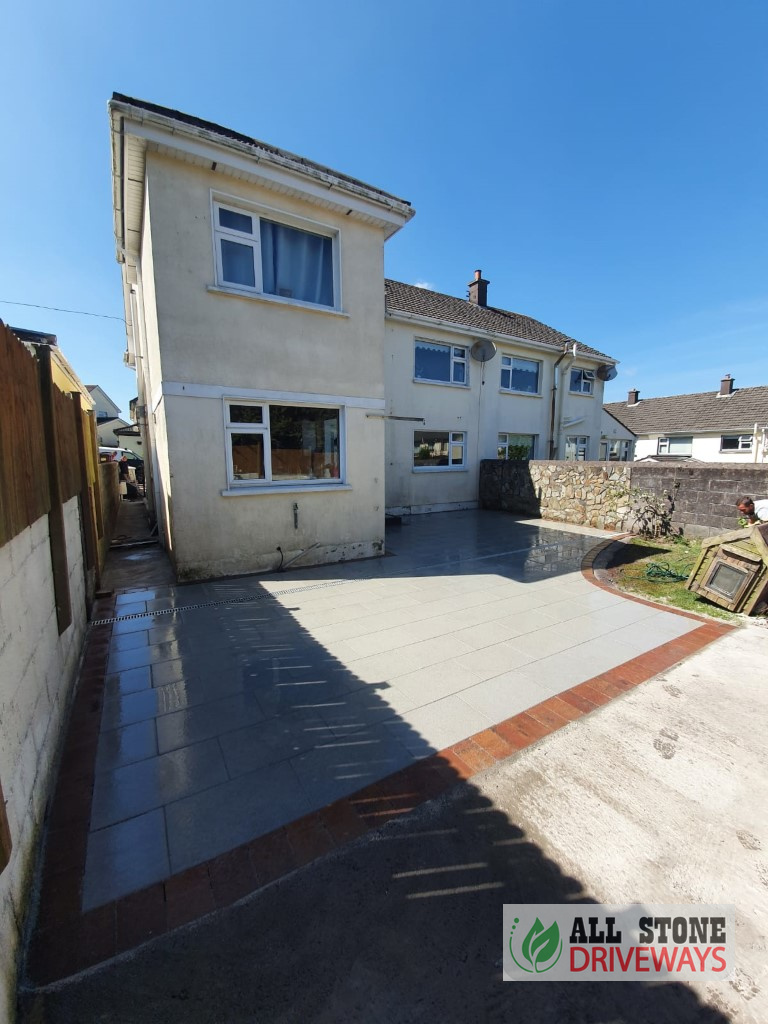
(642, 566)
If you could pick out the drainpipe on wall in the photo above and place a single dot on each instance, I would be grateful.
(553, 436)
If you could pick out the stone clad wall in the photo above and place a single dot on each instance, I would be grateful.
(602, 494)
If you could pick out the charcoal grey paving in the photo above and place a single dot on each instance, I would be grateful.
(257, 699)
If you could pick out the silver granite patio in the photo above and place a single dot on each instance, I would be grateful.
(236, 706)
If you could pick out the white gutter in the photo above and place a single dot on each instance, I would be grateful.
(477, 332)
(203, 142)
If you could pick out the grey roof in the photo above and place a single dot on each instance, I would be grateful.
(681, 414)
(264, 147)
(408, 298)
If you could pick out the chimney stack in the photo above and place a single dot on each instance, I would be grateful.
(478, 290)
(726, 386)
(632, 396)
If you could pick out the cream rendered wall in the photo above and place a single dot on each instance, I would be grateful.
(218, 535)
(247, 345)
(586, 408)
(149, 367)
(37, 672)
(481, 410)
(443, 407)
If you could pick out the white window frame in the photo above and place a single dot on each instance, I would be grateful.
(454, 437)
(253, 240)
(454, 360)
(744, 443)
(507, 363)
(586, 381)
(662, 445)
(506, 434)
(581, 444)
(263, 428)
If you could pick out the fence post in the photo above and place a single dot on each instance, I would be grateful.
(56, 531)
(86, 498)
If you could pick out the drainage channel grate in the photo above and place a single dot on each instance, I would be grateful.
(314, 586)
(222, 601)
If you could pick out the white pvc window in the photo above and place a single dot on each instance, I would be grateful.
(440, 364)
(520, 375)
(265, 256)
(282, 444)
(516, 446)
(582, 381)
(675, 446)
(576, 449)
(439, 449)
(736, 443)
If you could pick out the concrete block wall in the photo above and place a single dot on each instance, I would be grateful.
(38, 668)
(602, 494)
(704, 496)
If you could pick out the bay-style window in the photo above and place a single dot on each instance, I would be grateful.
(439, 449)
(440, 364)
(257, 254)
(520, 375)
(282, 444)
(582, 382)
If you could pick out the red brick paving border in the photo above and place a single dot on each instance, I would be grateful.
(66, 940)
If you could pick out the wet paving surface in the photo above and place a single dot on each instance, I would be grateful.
(232, 707)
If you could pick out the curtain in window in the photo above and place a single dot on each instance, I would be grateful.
(296, 264)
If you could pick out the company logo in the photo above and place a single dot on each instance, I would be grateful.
(639, 942)
(541, 947)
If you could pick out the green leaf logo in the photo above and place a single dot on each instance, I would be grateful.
(538, 948)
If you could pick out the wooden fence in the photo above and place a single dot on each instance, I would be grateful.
(49, 455)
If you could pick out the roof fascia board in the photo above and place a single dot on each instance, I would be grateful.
(477, 332)
(270, 167)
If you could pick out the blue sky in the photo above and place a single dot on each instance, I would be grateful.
(603, 161)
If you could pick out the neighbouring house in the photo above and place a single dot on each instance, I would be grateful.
(729, 425)
(617, 442)
(287, 395)
(465, 381)
(108, 419)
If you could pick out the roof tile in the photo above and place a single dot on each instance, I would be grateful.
(706, 411)
(409, 298)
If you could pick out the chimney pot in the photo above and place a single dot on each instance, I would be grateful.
(726, 386)
(478, 290)
(632, 396)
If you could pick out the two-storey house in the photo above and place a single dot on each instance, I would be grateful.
(287, 396)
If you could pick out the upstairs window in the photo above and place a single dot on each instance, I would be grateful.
(282, 444)
(520, 375)
(736, 443)
(270, 258)
(440, 364)
(675, 446)
(582, 382)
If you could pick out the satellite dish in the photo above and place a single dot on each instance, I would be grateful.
(607, 371)
(483, 350)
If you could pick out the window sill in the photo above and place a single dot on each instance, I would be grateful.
(308, 487)
(519, 394)
(581, 394)
(439, 469)
(278, 300)
(441, 383)
(733, 451)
